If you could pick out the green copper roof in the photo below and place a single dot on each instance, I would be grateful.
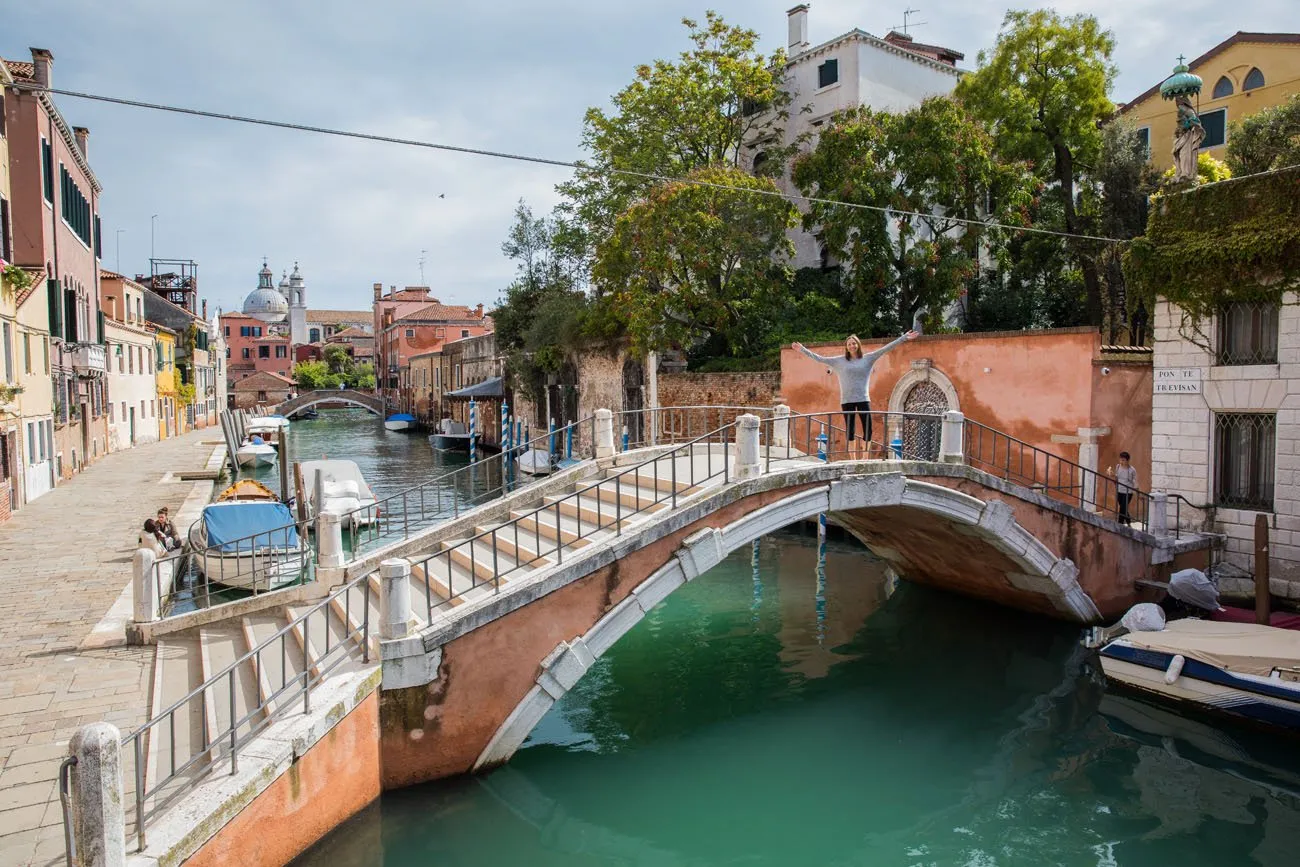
(1181, 83)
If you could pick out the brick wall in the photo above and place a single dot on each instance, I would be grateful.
(759, 389)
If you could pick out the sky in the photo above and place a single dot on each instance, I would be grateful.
(502, 75)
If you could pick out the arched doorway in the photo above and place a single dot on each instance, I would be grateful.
(633, 400)
(921, 435)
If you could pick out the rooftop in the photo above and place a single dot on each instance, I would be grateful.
(1236, 38)
(330, 317)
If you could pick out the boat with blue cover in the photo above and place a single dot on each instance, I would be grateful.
(400, 421)
(251, 544)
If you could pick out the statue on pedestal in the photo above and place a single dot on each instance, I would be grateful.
(1188, 132)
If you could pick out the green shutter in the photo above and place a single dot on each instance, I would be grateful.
(99, 321)
(70, 334)
(55, 299)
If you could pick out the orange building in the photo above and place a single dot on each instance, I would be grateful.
(411, 322)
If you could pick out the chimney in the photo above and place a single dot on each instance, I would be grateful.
(478, 310)
(205, 310)
(379, 291)
(42, 65)
(81, 134)
(798, 20)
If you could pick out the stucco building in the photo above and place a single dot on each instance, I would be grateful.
(252, 347)
(412, 322)
(263, 388)
(1243, 74)
(132, 384)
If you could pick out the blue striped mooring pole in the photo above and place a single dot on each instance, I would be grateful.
(473, 426)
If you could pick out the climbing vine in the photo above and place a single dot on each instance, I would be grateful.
(1219, 243)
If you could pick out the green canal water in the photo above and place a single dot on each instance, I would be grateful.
(775, 713)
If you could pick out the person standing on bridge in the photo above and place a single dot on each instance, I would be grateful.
(854, 372)
(1126, 477)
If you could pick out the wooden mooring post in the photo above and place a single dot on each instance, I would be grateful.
(284, 465)
(1261, 569)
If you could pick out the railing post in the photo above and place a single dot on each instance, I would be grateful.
(951, 448)
(147, 605)
(781, 426)
(747, 462)
(395, 598)
(604, 433)
(1158, 522)
(329, 541)
(98, 814)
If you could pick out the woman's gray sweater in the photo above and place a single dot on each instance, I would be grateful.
(854, 373)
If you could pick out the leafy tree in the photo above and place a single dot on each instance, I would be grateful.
(337, 358)
(311, 375)
(924, 178)
(1267, 140)
(1208, 171)
(697, 258)
(1043, 92)
(679, 116)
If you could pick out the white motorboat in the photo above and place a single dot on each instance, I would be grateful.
(534, 462)
(1241, 669)
(401, 421)
(249, 544)
(267, 427)
(344, 492)
(255, 453)
(451, 436)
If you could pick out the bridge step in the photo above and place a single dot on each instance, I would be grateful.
(585, 508)
(177, 670)
(572, 532)
(278, 667)
(220, 645)
(481, 558)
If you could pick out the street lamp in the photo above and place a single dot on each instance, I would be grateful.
(153, 222)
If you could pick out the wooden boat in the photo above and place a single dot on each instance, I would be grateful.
(250, 544)
(451, 437)
(256, 452)
(247, 489)
(1244, 670)
(345, 492)
(401, 421)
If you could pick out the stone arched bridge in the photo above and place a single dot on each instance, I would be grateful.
(365, 400)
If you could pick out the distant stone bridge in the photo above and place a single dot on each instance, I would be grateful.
(372, 402)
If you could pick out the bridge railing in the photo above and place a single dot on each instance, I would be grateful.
(639, 428)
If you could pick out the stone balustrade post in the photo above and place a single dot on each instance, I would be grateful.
(1158, 520)
(747, 463)
(952, 448)
(98, 811)
(604, 433)
(329, 541)
(394, 598)
(145, 603)
(781, 426)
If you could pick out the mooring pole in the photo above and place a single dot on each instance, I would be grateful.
(284, 465)
(1261, 569)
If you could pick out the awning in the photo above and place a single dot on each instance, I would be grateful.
(488, 388)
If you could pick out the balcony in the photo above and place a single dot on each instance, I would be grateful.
(89, 358)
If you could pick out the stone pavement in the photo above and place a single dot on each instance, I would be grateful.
(64, 561)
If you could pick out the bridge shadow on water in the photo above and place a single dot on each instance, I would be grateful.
(772, 712)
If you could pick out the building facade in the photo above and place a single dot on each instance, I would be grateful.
(263, 388)
(129, 344)
(323, 326)
(413, 322)
(1243, 74)
(253, 346)
(56, 203)
(165, 382)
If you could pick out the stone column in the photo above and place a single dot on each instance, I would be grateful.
(952, 448)
(1088, 454)
(1158, 521)
(98, 813)
(747, 463)
(394, 598)
(781, 426)
(146, 602)
(604, 433)
(329, 541)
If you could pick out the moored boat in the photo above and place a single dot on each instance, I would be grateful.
(249, 544)
(255, 453)
(451, 437)
(534, 462)
(247, 489)
(344, 492)
(268, 427)
(401, 421)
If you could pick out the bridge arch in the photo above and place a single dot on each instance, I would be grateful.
(992, 525)
(368, 402)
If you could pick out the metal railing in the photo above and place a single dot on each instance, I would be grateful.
(825, 434)
(1059, 478)
(215, 703)
(665, 425)
(490, 556)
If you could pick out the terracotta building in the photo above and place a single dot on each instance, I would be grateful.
(253, 346)
(412, 322)
(263, 388)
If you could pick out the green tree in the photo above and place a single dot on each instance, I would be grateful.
(1267, 140)
(698, 258)
(337, 359)
(311, 375)
(924, 179)
(1043, 93)
(679, 116)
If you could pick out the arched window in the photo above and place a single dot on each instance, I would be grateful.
(1223, 87)
(760, 159)
(1254, 79)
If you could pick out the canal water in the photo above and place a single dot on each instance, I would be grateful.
(776, 713)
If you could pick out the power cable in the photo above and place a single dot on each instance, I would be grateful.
(526, 158)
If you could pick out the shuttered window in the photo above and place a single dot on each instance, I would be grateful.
(70, 332)
(47, 170)
(55, 301)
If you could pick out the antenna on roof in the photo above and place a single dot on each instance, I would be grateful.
(907, 14)
(422, 252)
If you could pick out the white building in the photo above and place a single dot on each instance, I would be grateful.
(129, 346)
(217, 351)
(1226, 428)
(854, 69)
(295, 290)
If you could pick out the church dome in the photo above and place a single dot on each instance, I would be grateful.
(264, 302)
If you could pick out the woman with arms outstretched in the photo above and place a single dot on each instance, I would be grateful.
(854, 371)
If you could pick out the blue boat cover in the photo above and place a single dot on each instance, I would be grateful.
(401, 416)
(230, 526)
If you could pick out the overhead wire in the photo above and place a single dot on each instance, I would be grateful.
(528, 158)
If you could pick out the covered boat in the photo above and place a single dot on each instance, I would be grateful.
(535, 462)
(451, 436)
(253, 545)
(247, 489)
(400, 421)
(1241, 669)
(255, 453)
(344, 489)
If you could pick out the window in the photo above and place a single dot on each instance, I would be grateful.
(282, 352)
(27, 353)
(130, 362)
(31, 443)
(227, 352)
(227, 330)
(1144, 141)
(245, 331)
(121, 362)
(464, 332)
(2, 114)
(99, 245)
(828, 73)
(410, 332)
(458, 379)
(261, 397)
(1216, 127)
(1254, 79)
(1248, 334)
(6, 235)
(263, 351)
(9, 352)
(1244, 456)
(759, 159)
(1222, 87)
(47, 170)
(75, 207)
(139, 312)
(257, 331)
(314, 336)
(246, 352)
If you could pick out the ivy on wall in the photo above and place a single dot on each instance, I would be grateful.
(1219, 243)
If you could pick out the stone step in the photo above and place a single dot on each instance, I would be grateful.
(279, 665)
(222, 644)
(319, 638)
(178, 670)
(480, 557)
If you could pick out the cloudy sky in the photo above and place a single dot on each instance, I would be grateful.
(502, 75)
